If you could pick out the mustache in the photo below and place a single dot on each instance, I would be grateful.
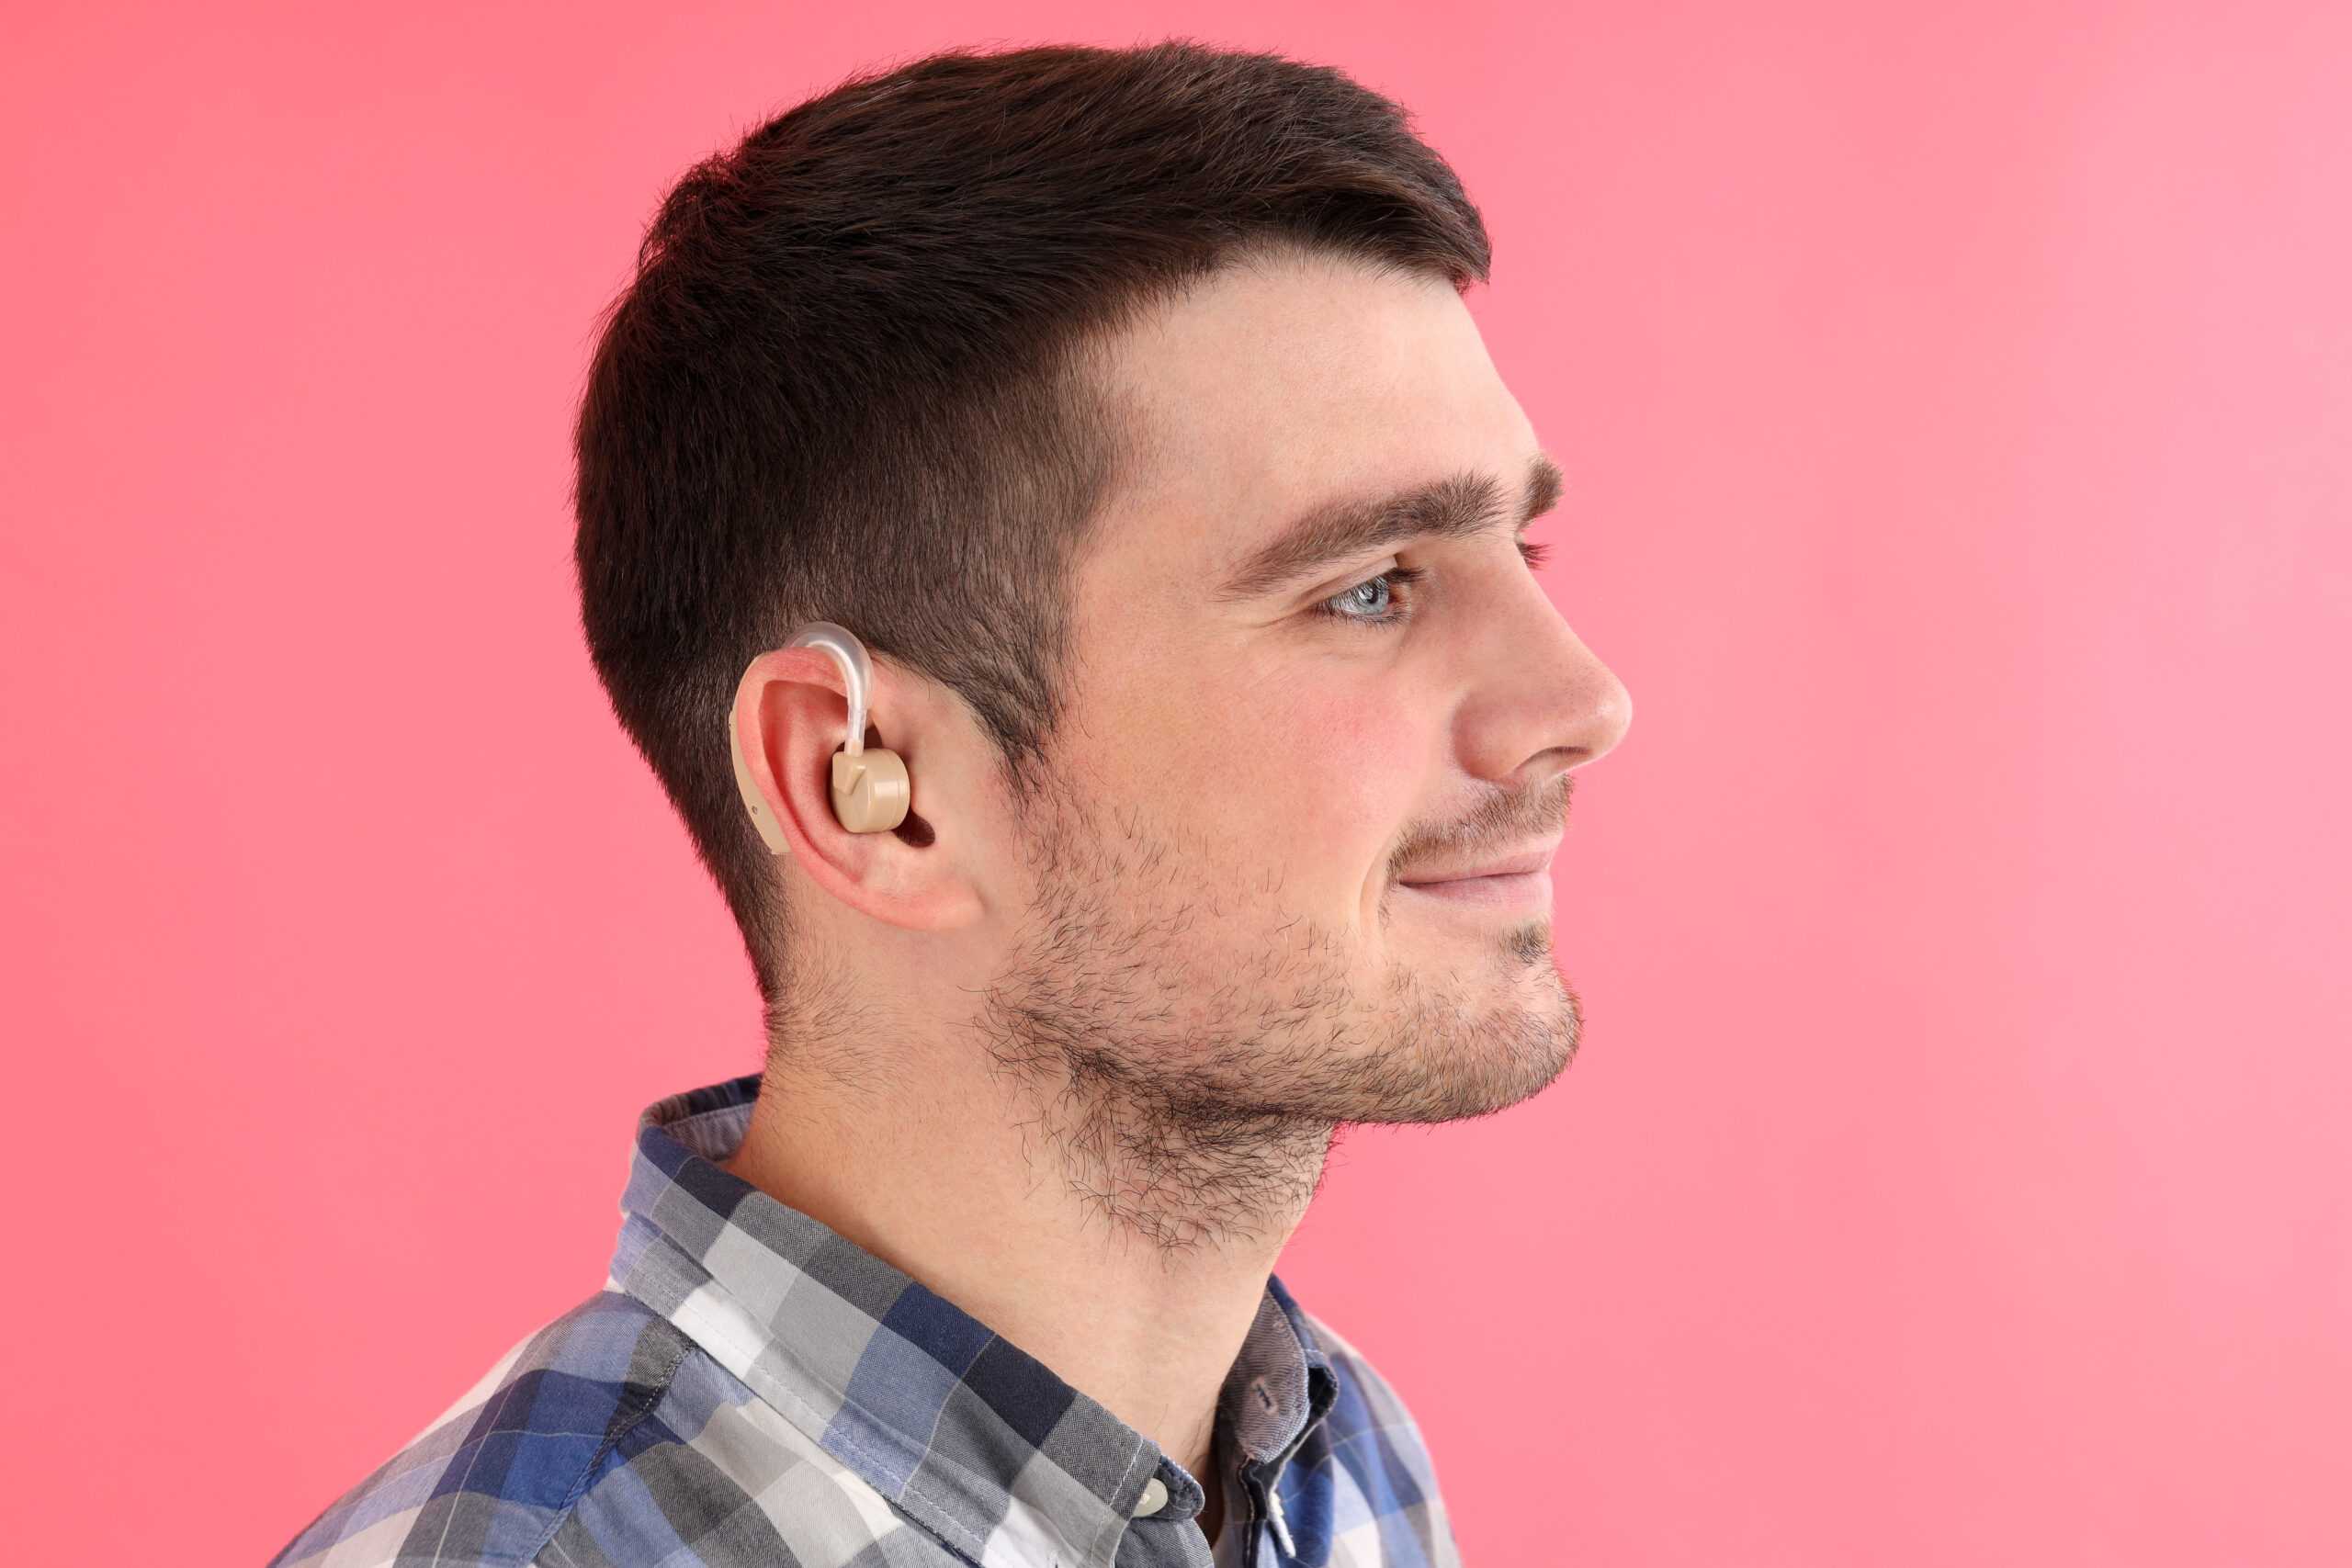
(1504, 825)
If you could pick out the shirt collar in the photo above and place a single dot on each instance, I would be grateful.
(966, 1432)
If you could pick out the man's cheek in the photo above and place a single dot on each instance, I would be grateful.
(1358, 768)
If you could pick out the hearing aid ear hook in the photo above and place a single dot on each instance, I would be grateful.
(870, 789)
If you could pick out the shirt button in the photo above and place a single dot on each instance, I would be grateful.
(1155, 1496)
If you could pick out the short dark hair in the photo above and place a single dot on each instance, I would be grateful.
(853, 379)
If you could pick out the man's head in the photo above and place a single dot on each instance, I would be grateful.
(1044, 372)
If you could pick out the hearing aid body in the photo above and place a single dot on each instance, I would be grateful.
(869, 787)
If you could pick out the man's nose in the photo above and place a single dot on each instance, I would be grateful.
(1551, 704)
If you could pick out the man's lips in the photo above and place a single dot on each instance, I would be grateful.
(1517, 889)
(1534, 857)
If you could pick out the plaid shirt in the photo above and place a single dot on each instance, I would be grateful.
(752, 1389)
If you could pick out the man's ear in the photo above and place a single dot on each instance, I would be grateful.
(788, 720)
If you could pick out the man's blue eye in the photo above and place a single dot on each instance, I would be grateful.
(1402, 575)
(1334, 608)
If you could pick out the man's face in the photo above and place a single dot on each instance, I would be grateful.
(1221, 939)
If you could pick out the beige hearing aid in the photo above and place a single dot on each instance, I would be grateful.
(870, 790)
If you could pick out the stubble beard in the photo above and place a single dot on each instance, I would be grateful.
(1187, 1072)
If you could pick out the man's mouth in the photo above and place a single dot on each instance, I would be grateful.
(1514, 890)
(1520, 879)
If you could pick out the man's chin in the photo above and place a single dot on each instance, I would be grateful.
(1456, 1076)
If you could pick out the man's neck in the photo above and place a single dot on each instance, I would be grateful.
(942, 1180)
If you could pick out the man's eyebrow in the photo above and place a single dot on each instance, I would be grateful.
(1457, 506)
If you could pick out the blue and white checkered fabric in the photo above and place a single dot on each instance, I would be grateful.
(752, 1389)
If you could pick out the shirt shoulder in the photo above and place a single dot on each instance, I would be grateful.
(491, 1478)
(1387, 1507)
(716, 1476)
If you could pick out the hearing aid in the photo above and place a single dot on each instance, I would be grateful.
(870, 790)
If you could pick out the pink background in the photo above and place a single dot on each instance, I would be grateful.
(1955, 402)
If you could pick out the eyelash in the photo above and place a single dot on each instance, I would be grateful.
(1406, 576)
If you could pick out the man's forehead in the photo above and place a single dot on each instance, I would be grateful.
(1265, 396)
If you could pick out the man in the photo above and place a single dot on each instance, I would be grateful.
(1123, 403)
